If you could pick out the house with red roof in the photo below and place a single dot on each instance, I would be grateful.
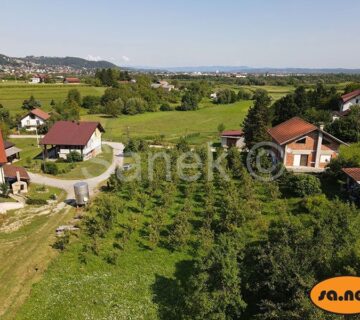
(71, 81)
(16, 177)
(304, 147)
(353, 182)
(232, 138)
(349, 99)
(33, 119)
(3, 159)
(84, 137)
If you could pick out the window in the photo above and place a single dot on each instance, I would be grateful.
(301, 141)
(325, 158)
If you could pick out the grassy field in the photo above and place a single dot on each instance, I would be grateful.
(25, 252)
(201, 124)
(79, 170)
(13, 94)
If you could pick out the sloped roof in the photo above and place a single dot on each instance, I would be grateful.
(350, 95)
(40, 113)
(72, 133)
(8, 144)
(354, 173)
(72, 80)
(2, 150)
(290, 130)
(232, 133)
(10, 172)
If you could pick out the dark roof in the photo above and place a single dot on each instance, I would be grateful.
(341, 113)
(354, 173)
(232, 133)
(8, 144)
(10, 172)
(290, 130)
(72, 133)
(40, 113)
(350, 95)
(3, 158)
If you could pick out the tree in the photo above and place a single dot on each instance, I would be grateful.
(74, 95)
(90, 101)
(303, 185)
(31, 104)
(226, 96)
(114, 108)
(284, 109)
(179, 233)
(221, 127)
(68, 110)
(134, 106)
(189, 101)
(347, 128)
(214, 288)
(243, 94)
(257, 120)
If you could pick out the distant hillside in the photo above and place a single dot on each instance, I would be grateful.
(57, 62)
(70, 62)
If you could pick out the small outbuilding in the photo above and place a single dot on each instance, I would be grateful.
(232, 138)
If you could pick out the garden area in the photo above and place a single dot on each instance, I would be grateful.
(31, 159)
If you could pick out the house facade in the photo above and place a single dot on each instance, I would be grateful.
(3, 159)
(349, 99)
(67, 136)
(304, 147)
(34, 119)
(232, 138)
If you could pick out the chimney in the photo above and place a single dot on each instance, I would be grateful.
(18, 176)
(321, 126)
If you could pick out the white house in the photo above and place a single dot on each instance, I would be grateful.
(35, 80)
(66, 136)
(34, 119)
(349, 99)
(232, 138)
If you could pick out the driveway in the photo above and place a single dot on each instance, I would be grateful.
(93, 182)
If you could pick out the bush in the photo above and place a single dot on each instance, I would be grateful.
(166, 107)
(303, 185)
(74, 156)
(36, 201)
(50, 168)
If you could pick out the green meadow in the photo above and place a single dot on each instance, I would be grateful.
(13, 94)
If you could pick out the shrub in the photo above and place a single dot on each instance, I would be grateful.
(303, 185)
(36, 201)
(74, 156)
(50, 168)
(166, 107)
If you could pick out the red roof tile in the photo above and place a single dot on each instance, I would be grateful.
(10, 172)
(3, 158)
(72, 133)
(235, 133)
(353, 173)
(291, 129)
(40, 113)
(72, 80)
(350, 95)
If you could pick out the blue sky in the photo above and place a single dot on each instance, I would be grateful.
(258, 33)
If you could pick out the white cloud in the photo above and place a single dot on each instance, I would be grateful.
(93, 58)
(125, 58)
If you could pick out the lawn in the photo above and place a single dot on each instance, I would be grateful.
(201, 124)
(12, 95)
(31, 159)
(25, 251)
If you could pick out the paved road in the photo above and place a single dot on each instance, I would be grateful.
(68, 185)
